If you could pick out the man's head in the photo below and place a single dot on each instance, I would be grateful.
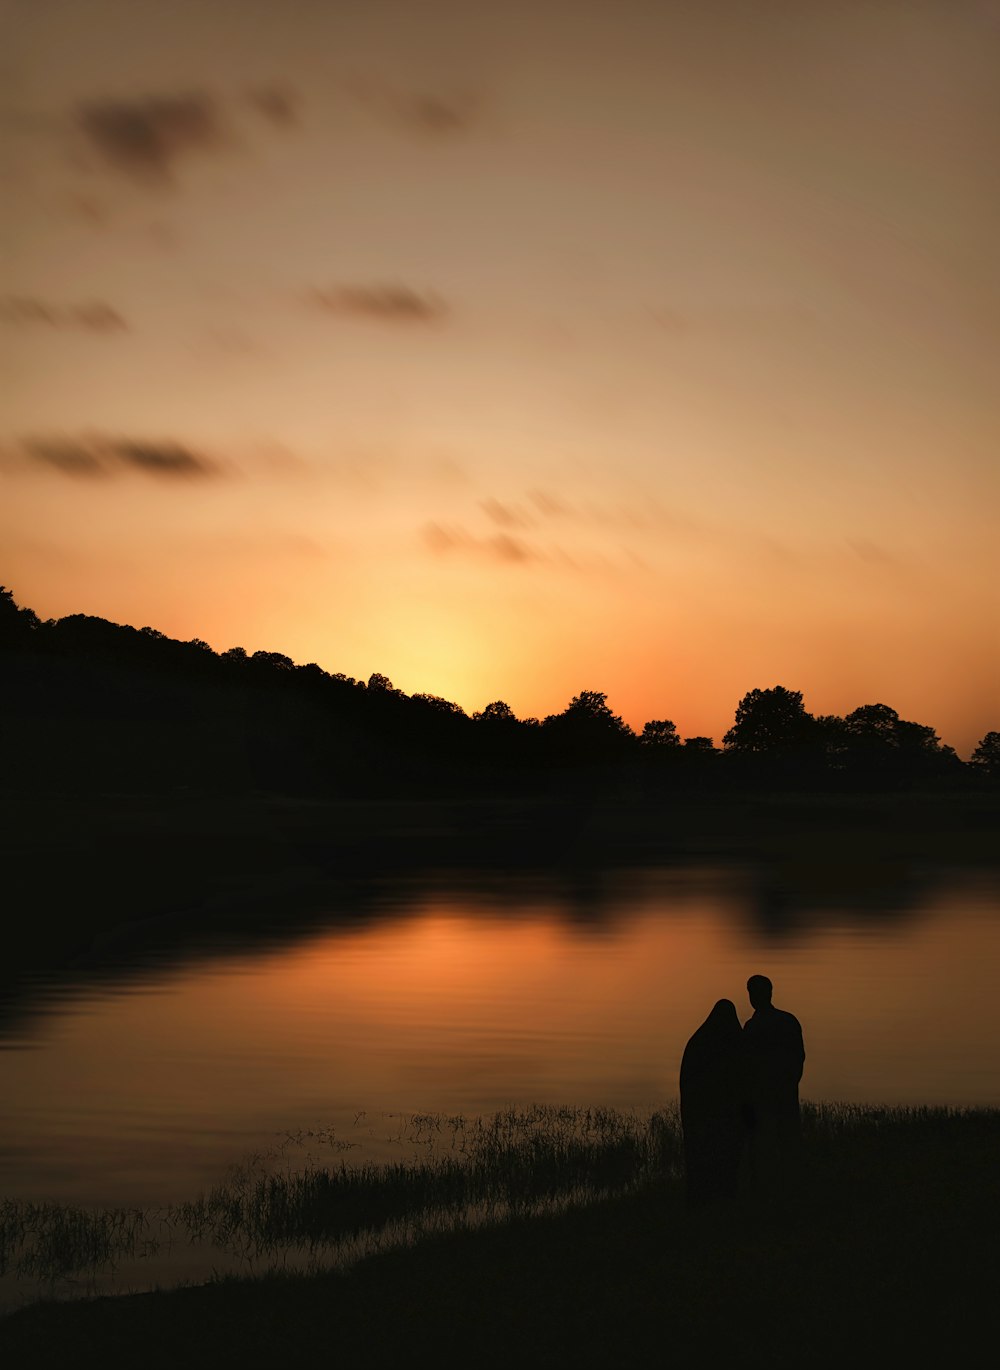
(760, 990)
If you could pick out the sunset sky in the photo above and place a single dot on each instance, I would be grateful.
(515, 349)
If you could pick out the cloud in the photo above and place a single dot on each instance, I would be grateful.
(92, 317)
(508, 548)
(64, 455)
(97, 317)
(549, 504)
(277, 104)
(437, 115)
(505, 515)
(27, 311)
(646, 516)
(161, 458)
(540, 527)
(144, 139)
(113, 456)
(456, 542)
(389, 303)
(446, 541)
(440, 539)
(433, 114)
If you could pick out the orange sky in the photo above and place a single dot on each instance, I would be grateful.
(515, 350)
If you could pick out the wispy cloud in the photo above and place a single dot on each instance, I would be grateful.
(101, 456)
(161, 458)
(278, 104)
(549, 504)
(428, 113)
(388, 303)
(503, 547)
(68, 457)
(506, 515)
(28, 311)
(439, 115)
(542, 527)
(145, 138)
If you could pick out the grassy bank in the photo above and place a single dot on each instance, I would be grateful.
(562, 1239)
(308, 1201)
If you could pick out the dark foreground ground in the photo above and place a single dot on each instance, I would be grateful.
(889, 1254)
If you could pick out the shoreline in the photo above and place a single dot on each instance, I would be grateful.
(888, 1246)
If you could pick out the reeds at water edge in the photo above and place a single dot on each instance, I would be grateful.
(279, 1211)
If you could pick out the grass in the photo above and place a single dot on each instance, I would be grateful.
(560, 1237)
(49, 1242)
(513, 1164)
(463, 1172)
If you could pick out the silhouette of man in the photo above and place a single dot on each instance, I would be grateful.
(775, 1057)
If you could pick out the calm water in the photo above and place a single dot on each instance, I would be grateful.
(143, 1088)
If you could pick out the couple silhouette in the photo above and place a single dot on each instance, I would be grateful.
(740, 1100)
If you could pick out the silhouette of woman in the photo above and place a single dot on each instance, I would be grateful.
(712, 1088)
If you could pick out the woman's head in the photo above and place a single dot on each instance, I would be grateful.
(724, 1016)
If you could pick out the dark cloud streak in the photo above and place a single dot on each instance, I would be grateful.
(439, 116)
(388, 303)
(94, 457)
(27, 311)
(144, 138)
(67, 457)
(97, 317)
(505, 515)
(436, 115)
(161, 458)
(446, 541)
(277, 104)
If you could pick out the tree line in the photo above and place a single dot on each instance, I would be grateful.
(91, 704)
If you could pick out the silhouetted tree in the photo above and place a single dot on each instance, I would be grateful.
(16, 625)
(587, 733)
(275, 661)
(90, 702)
(659, 733)
(312, 672)
(881, 744)
(499, 711)
(875, 723)
(438, 705)
(830, 739)
(986, 757)
(590, 709)
(770, 721)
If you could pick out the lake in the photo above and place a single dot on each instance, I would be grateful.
(463, 996)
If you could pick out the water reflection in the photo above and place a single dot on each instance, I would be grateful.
(140, 1076)
(793, 898)
(772, 901)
